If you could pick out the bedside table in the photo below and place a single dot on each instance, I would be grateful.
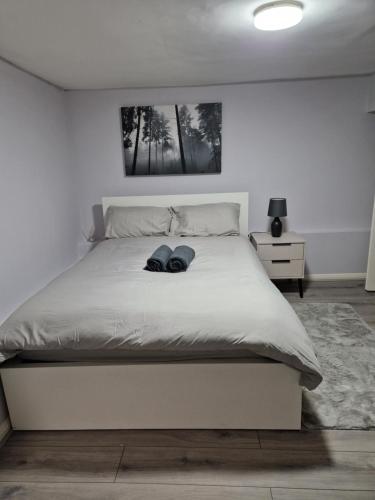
(284, 257)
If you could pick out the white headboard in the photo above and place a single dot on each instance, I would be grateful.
(183, 199)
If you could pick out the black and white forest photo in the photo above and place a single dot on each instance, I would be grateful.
(172, 139)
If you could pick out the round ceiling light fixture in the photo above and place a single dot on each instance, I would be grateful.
(278, 15)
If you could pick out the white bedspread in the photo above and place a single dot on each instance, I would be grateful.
(224, 305)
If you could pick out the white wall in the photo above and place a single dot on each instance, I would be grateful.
(38, 224)
(311, 141)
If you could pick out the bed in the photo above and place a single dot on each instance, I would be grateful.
(108, 345)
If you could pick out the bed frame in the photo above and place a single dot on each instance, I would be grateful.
(241, 394)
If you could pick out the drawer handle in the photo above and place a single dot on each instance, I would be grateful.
(281, 244)
(280, 261)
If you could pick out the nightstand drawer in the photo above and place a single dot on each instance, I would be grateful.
(276, 251)
(279, 268)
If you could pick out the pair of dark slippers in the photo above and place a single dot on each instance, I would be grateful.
(166, 260)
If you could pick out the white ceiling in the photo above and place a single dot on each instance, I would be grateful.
(93, 44)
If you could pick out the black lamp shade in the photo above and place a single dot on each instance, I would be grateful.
(277, 207)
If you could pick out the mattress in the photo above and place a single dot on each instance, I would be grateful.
(224, 306)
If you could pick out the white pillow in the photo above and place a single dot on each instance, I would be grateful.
(213, 219)
(124, 222)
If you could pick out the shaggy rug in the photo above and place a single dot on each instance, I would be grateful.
(345, 347)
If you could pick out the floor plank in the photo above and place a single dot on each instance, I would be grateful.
(261, 468)
(59, 464)
(185, 438)
(288, 494)
(348, 292)
(35, 491)
(333, 440)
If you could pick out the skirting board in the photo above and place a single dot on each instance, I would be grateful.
(5, 428)
(195, 395)
(335, 277)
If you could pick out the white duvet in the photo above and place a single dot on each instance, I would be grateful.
(224, 306)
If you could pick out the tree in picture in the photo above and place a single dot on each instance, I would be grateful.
(172, 140)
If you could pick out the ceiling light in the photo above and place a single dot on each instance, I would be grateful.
(278, 15)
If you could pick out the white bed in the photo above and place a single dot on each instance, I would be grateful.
(235, 390)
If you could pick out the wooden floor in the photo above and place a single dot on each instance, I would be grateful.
(347, 292)
(204, 465)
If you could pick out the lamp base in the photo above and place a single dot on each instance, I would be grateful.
(276, 227)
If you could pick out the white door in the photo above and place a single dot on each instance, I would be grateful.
(370, 280)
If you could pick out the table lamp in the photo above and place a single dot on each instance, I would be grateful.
(276, 209)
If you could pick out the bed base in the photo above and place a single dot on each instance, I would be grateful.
(183, 395)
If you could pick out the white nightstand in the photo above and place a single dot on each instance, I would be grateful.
(284, 257)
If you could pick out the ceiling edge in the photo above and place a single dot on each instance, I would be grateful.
(224, 84)
(245, 82)
(30, 73)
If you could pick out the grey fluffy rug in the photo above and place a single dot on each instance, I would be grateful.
(345, 347)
